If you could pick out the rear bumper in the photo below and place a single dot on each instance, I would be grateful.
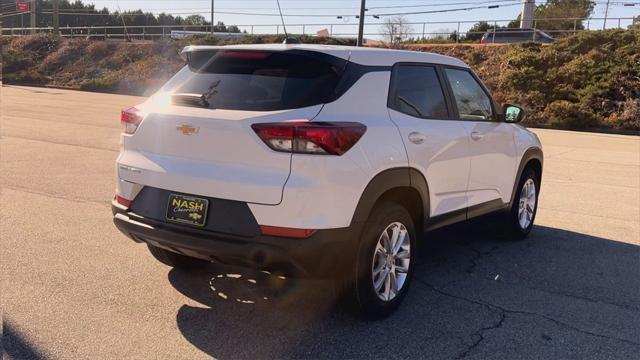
(326, 254)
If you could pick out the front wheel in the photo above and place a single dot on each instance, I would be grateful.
(524, 208)
(385, 262)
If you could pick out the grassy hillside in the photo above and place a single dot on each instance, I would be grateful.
(591, 80)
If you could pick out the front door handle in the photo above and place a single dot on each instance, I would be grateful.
(416, 137)
(476, 135)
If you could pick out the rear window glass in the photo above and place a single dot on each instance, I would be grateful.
(416, 91)
(255, 80)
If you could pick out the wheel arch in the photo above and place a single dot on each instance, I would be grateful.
(406, 185)
(532, 158)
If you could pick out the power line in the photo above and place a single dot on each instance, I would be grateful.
(142, 13)
(481, 4)
(328, 8)
(447, 10)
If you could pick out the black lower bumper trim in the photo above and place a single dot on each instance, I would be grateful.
(325, 254)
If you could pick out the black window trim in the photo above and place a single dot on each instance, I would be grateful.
(351, 72)
(495, 109)
(443, 85)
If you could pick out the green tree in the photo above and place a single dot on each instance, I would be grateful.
(558, 15)
(233, 29)
(454, 36)
(195, 20)
(477, 30)
(221, 27)
(87, 15)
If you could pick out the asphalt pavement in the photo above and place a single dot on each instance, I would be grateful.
(73, 287)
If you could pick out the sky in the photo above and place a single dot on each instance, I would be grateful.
(313, 12)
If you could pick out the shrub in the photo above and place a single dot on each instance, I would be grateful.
(563, 114)
(98, 50)
(630, 116)
(68, 53)
(107, 84)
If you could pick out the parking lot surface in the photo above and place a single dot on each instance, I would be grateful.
(73, 287)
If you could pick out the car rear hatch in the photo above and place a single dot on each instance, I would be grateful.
(196, 136)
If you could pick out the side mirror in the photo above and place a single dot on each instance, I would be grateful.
(512, 113)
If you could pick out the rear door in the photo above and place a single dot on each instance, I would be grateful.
(491, 143)
(196, 137)
(436, 145)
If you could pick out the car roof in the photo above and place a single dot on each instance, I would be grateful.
(361, 55)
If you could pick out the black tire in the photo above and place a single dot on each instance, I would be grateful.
(516, 230)
(176, 260)
(362, 297)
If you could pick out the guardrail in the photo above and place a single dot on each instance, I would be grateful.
(419, 30)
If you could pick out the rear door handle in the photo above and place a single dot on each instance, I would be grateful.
(416, 137)
(476, 135)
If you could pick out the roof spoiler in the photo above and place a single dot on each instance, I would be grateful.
(184, 53)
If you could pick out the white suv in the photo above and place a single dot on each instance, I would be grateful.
(320, 161)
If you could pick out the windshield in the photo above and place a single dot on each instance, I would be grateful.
(255, 80)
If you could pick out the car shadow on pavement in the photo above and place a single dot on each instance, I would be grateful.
(15, 345)
(475, 294)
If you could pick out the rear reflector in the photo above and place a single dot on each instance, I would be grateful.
(130, 119)
(305, 137)
(286, 232)
(122, 201)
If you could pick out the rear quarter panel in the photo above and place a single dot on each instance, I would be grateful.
(323, 191)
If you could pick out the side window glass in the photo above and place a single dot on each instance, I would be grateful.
(472, 102)
(417, 92)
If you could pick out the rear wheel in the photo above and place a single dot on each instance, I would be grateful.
(176, 260)
(385, 262)
(524, 208)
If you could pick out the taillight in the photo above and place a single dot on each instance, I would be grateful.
(482, 41)
(305, 137)
(130, 119)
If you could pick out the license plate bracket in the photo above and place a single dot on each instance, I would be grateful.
(186, 209)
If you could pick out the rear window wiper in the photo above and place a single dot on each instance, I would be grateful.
(190, 99)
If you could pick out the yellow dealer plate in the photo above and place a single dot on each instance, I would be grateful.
(187, 210)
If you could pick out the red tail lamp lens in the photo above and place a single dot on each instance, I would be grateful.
(304, 137)
(130, 119)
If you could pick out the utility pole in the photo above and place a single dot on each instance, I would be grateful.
(212, 23)
(33, 17)
(361, 24)
(528, 10)
(56, 18)
(606, 14)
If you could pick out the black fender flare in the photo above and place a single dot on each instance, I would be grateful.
(532, 153)
(404, 177)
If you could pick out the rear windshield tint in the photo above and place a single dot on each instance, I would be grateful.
(256, 80)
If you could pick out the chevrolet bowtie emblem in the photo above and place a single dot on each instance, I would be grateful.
(187, 129)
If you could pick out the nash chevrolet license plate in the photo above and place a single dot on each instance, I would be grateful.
(187, 210)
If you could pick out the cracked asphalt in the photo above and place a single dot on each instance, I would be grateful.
(74, 288)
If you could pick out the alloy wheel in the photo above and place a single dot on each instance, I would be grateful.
(527, 205)
(391, 259)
